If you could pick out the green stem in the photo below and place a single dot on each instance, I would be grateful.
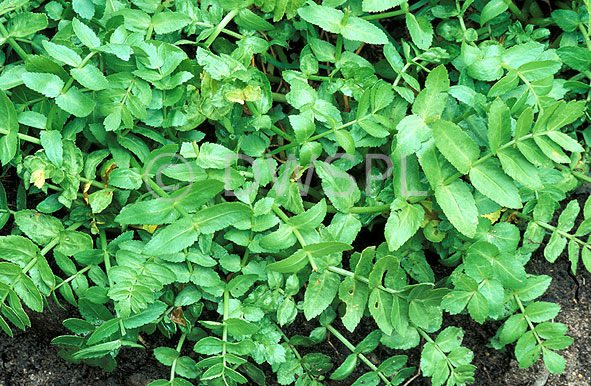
(15, 46)
(225, 21)
(365, 280)
(179, 347)
(277, 97)
(158, 190)
(107, 262)
(579, 175)
(363, 358)
(516, 11)
(82, 271)
(585, 35)
(225, 328)
(530, 324)
(281, 133)
(296, 232)
(531, 89)
(554, 229)
(294, 350)
(24, 137)
(318, 136)
(384, 15)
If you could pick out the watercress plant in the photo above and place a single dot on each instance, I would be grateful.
(222, 171)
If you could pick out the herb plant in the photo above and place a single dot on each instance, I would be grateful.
(218, 171)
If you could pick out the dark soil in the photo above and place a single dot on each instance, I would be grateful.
(29, 359)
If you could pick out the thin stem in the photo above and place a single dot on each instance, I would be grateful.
(281, 133)
(516, 11)
(363, 358)
(24, 137)
(318, 136)
(277, 97)
(530, 324)
(82, 271)
(296, 232)
(365, 280)
(225, 328)
(554, 229)
(384, 15)
(225, 21)
(163, 194)
(15, 46)
(585, 35)
(179, 347)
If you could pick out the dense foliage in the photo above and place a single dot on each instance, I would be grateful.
(219, 171)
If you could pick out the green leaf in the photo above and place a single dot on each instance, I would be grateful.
(62, 53)
(297, 261)
(360, 30)
(172, 238)
(478, 307)
(490, 180)
(221, 216)
(553, 362)
(567, 19)
(52, 144)
(76, 103)
(403, 223)
(98, 351)
(331, 19)
(41, 228)
(354, 293)
(379, 5)
(541, 311)
(533, 71)
(526, 350)
(492, 9)
(321, 290)
(152, 212)
(499, 125)
(167, 22)
(49, 85)
(85, 34)
(346, 368)
(90, 77)
(513, 328)
(380, 306)
(519, 168)
(84, 8)
(421, 30)
(12, 275)
(27, 23)
(338, 186)
(100, 200)
(412, 132)
(455, 145)
(345, 140)
(459, 206)
(166, 355)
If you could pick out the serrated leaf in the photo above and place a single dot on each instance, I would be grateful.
(62, 53)
(490, 180)
(49, 85)
(90, 77)
(459, 206)
(421, 30)
(75, 103)
(321, 290)
(167, 22)
(85, 34)
(455, 145)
